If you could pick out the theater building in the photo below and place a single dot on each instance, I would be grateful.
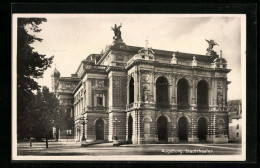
(144, 95)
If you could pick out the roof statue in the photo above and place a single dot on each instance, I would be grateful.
(210, 51)
(117, 32)
(211, 43)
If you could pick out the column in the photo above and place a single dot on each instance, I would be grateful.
(89, 93)
(136, 87)
(194, 95)
(152, 86)
(170, 92)
(215, 94)
(190, 96)
(127, 91)
(140, 86)
(173, 90)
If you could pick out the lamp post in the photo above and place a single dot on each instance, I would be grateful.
(83, 121)
(115, 138)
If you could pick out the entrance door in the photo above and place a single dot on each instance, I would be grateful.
(183, 129)
(202, 129)
(162, 129)
(99, 129)
(130, 128)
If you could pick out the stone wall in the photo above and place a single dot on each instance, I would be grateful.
(91, 127)
(119, 91)
(140, 117)
(117, 126)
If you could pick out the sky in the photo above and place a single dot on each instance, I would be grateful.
(71, 38)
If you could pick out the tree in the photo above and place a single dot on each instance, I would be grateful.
(43, 113)
(50, 109)
(30, 65)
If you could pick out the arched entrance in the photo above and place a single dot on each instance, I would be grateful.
(162, 129)
(99, 129)
(130, 128)
(183, 129)
(202, 129)
(183, 94)
(202, 95)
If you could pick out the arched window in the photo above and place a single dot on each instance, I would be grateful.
(202, 95)
(183, 94)
(131, 90)
(162, 92)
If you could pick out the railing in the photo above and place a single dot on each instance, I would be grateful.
(100, 108)
(162, 105)
(202, 107)
(185, 63)
(182, 106)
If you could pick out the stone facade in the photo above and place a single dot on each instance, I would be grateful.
(63, 87)
(144, 95)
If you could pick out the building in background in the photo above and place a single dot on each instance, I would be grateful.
(235, 120)
(63, 88)
(145, 95)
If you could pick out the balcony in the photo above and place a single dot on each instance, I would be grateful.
(203, 107)
(183, 106)
(162, 105)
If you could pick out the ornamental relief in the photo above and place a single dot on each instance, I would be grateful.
(146, 79)
(146, 95)
(120, 58)
(220, 98)
(146, 72)
(179, 76)
(196, 80)
(167, 75)
(146, 87)
(219, 84)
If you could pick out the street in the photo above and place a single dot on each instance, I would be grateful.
(73, 148)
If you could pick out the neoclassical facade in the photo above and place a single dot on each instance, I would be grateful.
(145, 95)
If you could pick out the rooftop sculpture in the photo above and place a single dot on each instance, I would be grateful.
(117, 32)
(210, 51)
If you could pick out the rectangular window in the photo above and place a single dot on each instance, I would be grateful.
(237, 134)
(99, 100)
(237, 126)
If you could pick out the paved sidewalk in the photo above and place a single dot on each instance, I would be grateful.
(74, 148)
